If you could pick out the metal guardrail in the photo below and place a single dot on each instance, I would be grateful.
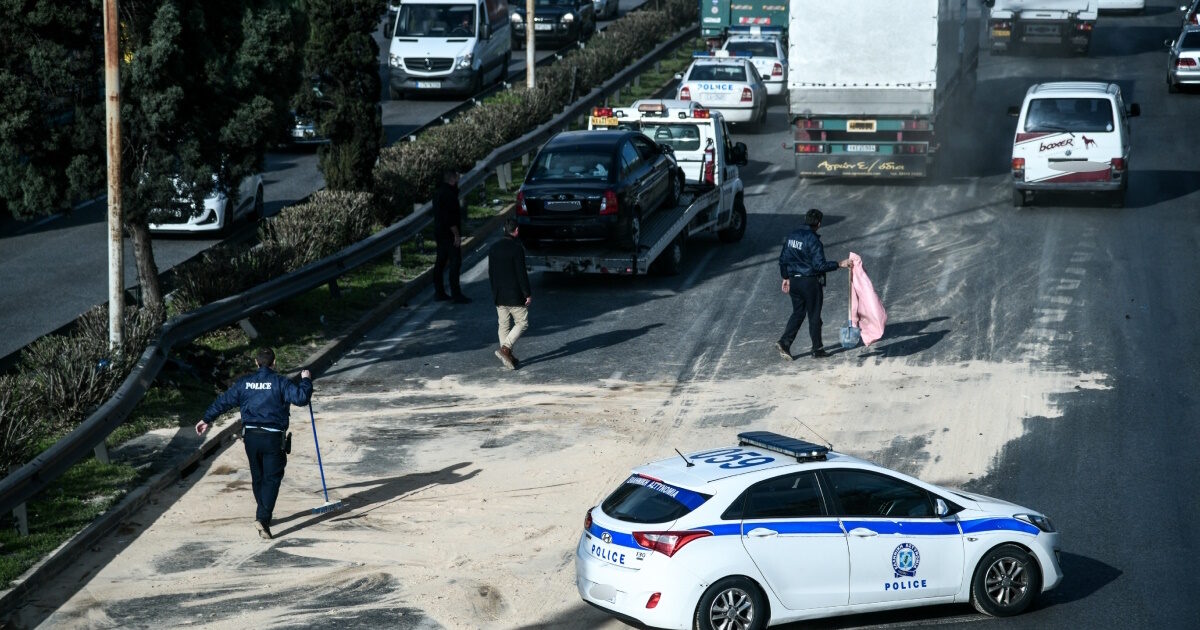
(24, 483)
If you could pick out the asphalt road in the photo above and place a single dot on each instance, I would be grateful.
(1068, 286)
(55, 269)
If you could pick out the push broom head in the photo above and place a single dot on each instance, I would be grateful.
(330, 506)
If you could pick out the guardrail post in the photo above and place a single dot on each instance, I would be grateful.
(248, 328)
(102, 453)
(637, 81)
(335, 290)
(500, 179)
(22, 517)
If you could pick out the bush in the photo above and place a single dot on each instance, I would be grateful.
(322, 226)
(20, 426)
(225, 270)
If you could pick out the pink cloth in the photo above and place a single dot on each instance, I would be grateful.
(866, 311)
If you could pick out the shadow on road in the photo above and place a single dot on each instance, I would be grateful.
(601, 340)
(902, 339)
(376, 493)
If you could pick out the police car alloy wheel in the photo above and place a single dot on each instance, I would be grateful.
(733, 603)
(1006, 582)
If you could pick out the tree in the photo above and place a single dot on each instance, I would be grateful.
(341, 59)
(204, 92)
(51, 105)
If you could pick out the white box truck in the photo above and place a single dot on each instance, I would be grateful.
(869, 79)
(1013, 23)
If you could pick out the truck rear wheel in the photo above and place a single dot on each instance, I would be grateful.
(737, 223)
(670, 261)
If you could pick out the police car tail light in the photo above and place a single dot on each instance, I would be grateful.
(685, 94)
(1018, 168)
(777, 70)
(1185, 62)
(587, 520)
(668, 543)
(747, 95)
(653, 601)
(608, 203)
(521, 207)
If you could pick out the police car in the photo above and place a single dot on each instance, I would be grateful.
(776, 529)
(728, 84)
(768, 56)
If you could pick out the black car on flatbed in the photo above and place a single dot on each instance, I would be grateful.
(596, 186)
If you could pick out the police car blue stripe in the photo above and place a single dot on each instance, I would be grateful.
(997, 524)
(618, 538)
(783, 527)
(729, 529)
(907, 528)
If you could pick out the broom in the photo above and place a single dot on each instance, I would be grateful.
(328, 506)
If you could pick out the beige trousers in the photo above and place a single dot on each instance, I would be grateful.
(510, 332)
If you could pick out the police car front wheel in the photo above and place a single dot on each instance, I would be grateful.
(734, 603)
(1006, 582)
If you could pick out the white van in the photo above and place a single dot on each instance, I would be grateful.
(448, 45)
(1071, 136)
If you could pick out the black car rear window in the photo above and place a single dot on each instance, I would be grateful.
(645, 500)
(573, 165)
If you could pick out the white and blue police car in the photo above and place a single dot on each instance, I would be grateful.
(727, 83)
(777, 530)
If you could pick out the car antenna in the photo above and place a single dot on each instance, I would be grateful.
(685, 460)
(827, 442)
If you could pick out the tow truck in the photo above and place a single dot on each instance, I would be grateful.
(712, 200)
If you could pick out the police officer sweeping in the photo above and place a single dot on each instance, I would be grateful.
(263, 398)
(803, 267)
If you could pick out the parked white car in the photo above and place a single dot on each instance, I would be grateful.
(768, 56)
(218, 213)
(728, 84)
(775, 530)
(1183, 62)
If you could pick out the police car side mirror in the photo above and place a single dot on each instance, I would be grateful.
(678, 76)
(740, 155)
(1014, 111)
(1135, 110)
(942, 509)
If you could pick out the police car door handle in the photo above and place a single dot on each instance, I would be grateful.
(863, 532)
(761, 532)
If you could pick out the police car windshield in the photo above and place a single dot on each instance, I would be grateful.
(717, 72)
(644, 500)
(758, 49)
(681, 137)
(1069, 114)
(572, 165)
(435, 20)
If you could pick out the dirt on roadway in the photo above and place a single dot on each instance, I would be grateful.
(467, 499)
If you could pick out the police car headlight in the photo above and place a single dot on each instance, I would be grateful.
(464, 62)
(567, 18)
(1037, 520)
(517, 18)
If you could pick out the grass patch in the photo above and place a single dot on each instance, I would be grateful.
(62, 510)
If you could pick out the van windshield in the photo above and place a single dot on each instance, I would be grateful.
(435, 20)
(1069, 114)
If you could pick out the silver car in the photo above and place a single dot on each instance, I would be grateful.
(1183, 62)
(606, 9)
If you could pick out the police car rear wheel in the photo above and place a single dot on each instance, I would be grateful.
(734, 603)
(1006, 582)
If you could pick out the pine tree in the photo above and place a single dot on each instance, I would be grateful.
(342, 59)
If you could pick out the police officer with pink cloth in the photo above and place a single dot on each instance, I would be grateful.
(802, 266)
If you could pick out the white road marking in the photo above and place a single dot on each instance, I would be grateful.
(691, 279)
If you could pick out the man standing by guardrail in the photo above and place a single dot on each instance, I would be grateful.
(447, 233)
(263, 397)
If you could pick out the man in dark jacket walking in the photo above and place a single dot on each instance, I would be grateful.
(263, 397)
(510, 288)
(447, 233)
(803, 267)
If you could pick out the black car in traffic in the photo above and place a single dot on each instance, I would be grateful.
(554, 21)
(596, 186)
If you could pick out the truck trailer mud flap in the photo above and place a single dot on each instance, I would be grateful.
(850, 165)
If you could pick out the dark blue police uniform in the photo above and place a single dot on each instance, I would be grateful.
(263, 397)
(802, 262)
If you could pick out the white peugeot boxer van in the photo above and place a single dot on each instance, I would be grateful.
(454, 46)
(1071, 136)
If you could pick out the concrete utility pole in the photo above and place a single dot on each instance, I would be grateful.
(112, 118)
(530, 53)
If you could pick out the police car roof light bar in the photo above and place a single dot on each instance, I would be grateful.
(801, 450)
